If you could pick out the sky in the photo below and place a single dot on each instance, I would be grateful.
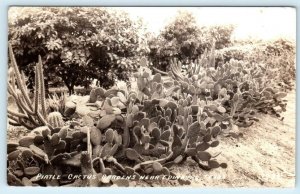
(265, 23)
(251, 22)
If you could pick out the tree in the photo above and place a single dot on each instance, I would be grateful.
(77, 45)
(183, 32)
(186, 40)
(179, 39)
(220, 33)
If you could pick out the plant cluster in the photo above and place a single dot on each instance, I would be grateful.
(133, 135)
(281, 57)
(37, 111)
(169, 118)
(277, 57)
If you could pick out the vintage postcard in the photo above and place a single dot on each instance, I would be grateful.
(151, 96)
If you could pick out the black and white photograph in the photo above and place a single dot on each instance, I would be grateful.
(151, 97)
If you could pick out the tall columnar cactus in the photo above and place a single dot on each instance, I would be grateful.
(30, 114)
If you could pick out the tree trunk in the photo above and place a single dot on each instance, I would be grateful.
(70, 89)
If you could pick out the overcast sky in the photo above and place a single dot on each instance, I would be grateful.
(261, 22)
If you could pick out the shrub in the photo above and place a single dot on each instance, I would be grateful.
(277, 55)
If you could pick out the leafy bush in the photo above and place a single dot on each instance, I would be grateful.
(235, 52)
(281, 56)
(77, 45)
(278, 55)
(279, 47)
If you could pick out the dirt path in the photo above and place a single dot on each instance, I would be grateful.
(263, 157)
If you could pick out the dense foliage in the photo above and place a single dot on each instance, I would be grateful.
(185, 40)
(276, 55)
(76, 45)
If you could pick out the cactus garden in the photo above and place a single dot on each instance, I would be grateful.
(146, 131)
